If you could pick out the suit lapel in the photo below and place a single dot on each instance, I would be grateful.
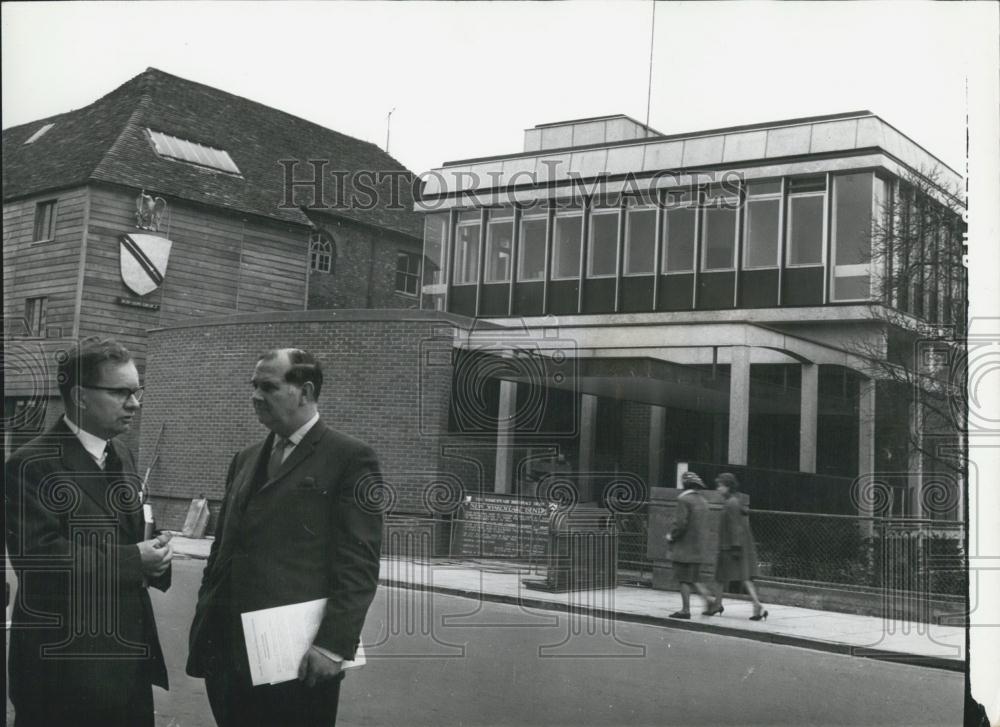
(303, 450)
(78, 463)
(132, 518)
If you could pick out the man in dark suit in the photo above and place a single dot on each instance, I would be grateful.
(298, 523)
(83, 642)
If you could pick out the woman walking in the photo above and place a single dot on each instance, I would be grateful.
(688, 548)
(737, 559)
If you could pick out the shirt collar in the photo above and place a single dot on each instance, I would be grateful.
(301, 432)
(94, 445)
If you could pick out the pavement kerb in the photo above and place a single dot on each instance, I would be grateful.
(817, 644)
(833, 647)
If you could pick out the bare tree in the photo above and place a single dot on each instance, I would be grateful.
(919, 306)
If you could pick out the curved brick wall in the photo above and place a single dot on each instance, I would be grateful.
(387, 380)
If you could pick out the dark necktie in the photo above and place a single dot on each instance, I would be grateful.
(112, 462)
(277, 456)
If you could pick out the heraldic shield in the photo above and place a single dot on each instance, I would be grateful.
(144, 261)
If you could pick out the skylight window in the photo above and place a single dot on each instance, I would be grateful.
(38, 134)
(189, 151)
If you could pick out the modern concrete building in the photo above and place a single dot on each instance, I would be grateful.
(780, 298)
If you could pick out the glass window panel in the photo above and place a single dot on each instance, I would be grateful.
(532, 248)
(852, 218)
(44, 221)
(758, 188)
(855, 287)
(499, 234)
(189, 151)
(640, 241)
(679, 247)
(566, 247)
(467, 253)
(435, 229)
(807, 184)
(603, 255)
(435, 239)
(762, 233)
(805, 230)
(719, 238)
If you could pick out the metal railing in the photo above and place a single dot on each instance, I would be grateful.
(921, 556)
(924, 556)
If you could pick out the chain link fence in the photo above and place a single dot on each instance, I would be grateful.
(924, 556)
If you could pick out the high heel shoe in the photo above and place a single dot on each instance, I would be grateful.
(759, 615)
(712, 610)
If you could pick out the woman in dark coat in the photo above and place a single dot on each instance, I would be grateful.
(737, 559)
(687, 543)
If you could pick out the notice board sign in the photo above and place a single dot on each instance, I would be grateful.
(502, 526)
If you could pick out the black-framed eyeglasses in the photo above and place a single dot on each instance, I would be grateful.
(121, 392)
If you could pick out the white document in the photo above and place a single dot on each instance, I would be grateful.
(277, 639)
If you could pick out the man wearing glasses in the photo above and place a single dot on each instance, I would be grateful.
(83, 642)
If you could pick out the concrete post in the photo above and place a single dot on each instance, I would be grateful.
(866, 440)
(808, 417)
(504, 475)
(588, 431)
(657, 426)
(739, 404)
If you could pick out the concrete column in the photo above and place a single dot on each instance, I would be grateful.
(808, 417)
(588, 431)
(657, 426)
(504, 476)
(866, 435)
(739, 404)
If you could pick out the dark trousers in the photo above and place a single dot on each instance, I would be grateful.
(235, 703)
(135, 711)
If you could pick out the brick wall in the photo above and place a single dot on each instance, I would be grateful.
(363, 273)
(387, 381)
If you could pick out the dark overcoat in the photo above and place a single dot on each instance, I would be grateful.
(82, 625)
(737, 559)
(689, 530)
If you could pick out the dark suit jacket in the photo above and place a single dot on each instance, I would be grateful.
(82, 621)
(688, 531)
(313, 531)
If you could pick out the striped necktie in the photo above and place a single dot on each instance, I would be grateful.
(277, 456)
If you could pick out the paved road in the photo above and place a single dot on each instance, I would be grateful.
(443, 660)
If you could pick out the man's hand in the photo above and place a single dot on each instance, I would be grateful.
(316, 667)
(156, 556)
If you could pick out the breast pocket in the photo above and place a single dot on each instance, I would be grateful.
(310, 508)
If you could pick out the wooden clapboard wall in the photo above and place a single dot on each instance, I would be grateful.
(43, 268)
(220, 263)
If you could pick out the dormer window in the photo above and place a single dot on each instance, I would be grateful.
(192, 152)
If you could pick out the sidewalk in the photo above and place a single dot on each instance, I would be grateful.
(928, 645)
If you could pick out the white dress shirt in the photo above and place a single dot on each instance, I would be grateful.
(95, 446)
(297, 436)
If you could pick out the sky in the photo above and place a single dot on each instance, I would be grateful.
(465, 79)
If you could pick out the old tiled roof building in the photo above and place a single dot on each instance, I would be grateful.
(227, 181)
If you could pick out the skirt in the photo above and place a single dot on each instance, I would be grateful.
(687, 572)
(734, 565)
